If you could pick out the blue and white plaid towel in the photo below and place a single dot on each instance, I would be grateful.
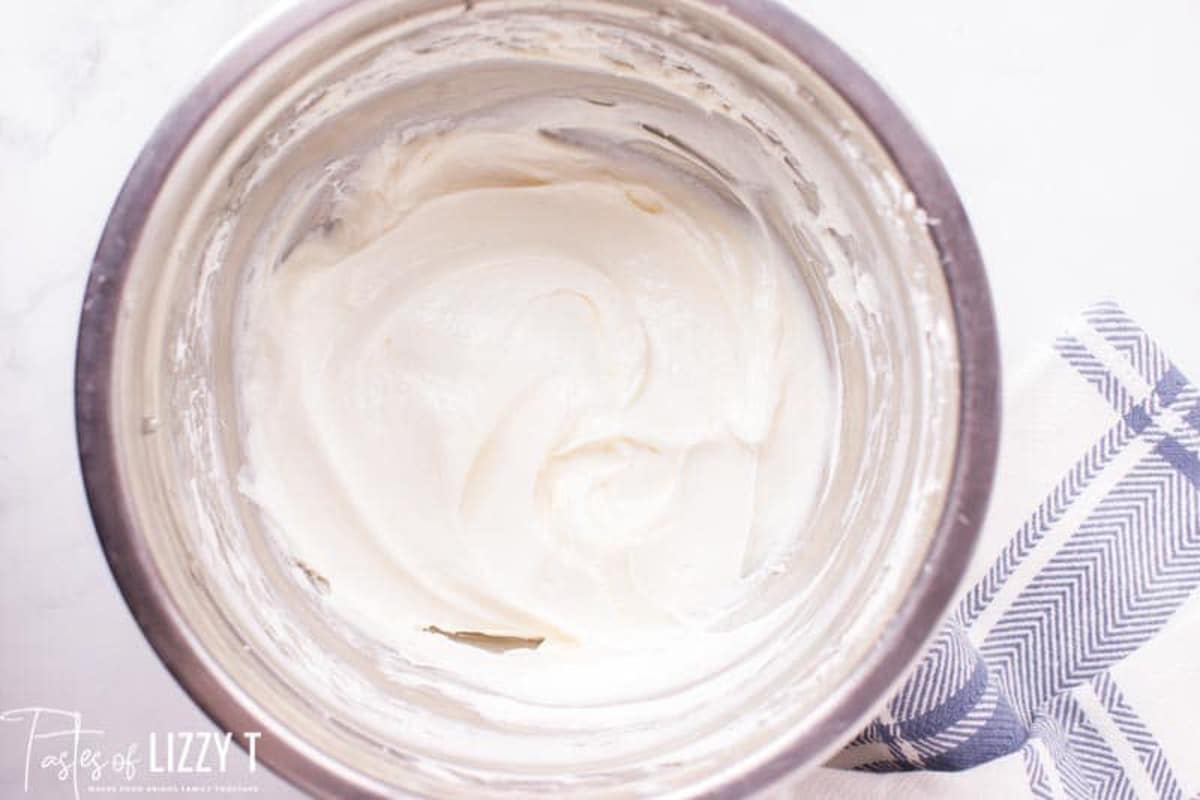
(1071, 667)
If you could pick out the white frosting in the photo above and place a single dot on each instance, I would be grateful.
(523, 389)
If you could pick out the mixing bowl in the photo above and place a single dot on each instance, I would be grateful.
(741, 91)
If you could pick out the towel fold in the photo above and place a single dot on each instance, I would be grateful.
(1071, 666)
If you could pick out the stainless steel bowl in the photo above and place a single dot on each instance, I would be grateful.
(215, 594)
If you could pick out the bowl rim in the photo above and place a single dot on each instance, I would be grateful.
(887, 661)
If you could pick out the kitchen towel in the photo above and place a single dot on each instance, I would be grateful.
(1071, 666)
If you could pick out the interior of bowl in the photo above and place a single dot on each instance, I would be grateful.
(694, 84)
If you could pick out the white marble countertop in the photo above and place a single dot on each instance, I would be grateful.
(1071, 130)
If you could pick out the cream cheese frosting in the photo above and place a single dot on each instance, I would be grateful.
(523, 388)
